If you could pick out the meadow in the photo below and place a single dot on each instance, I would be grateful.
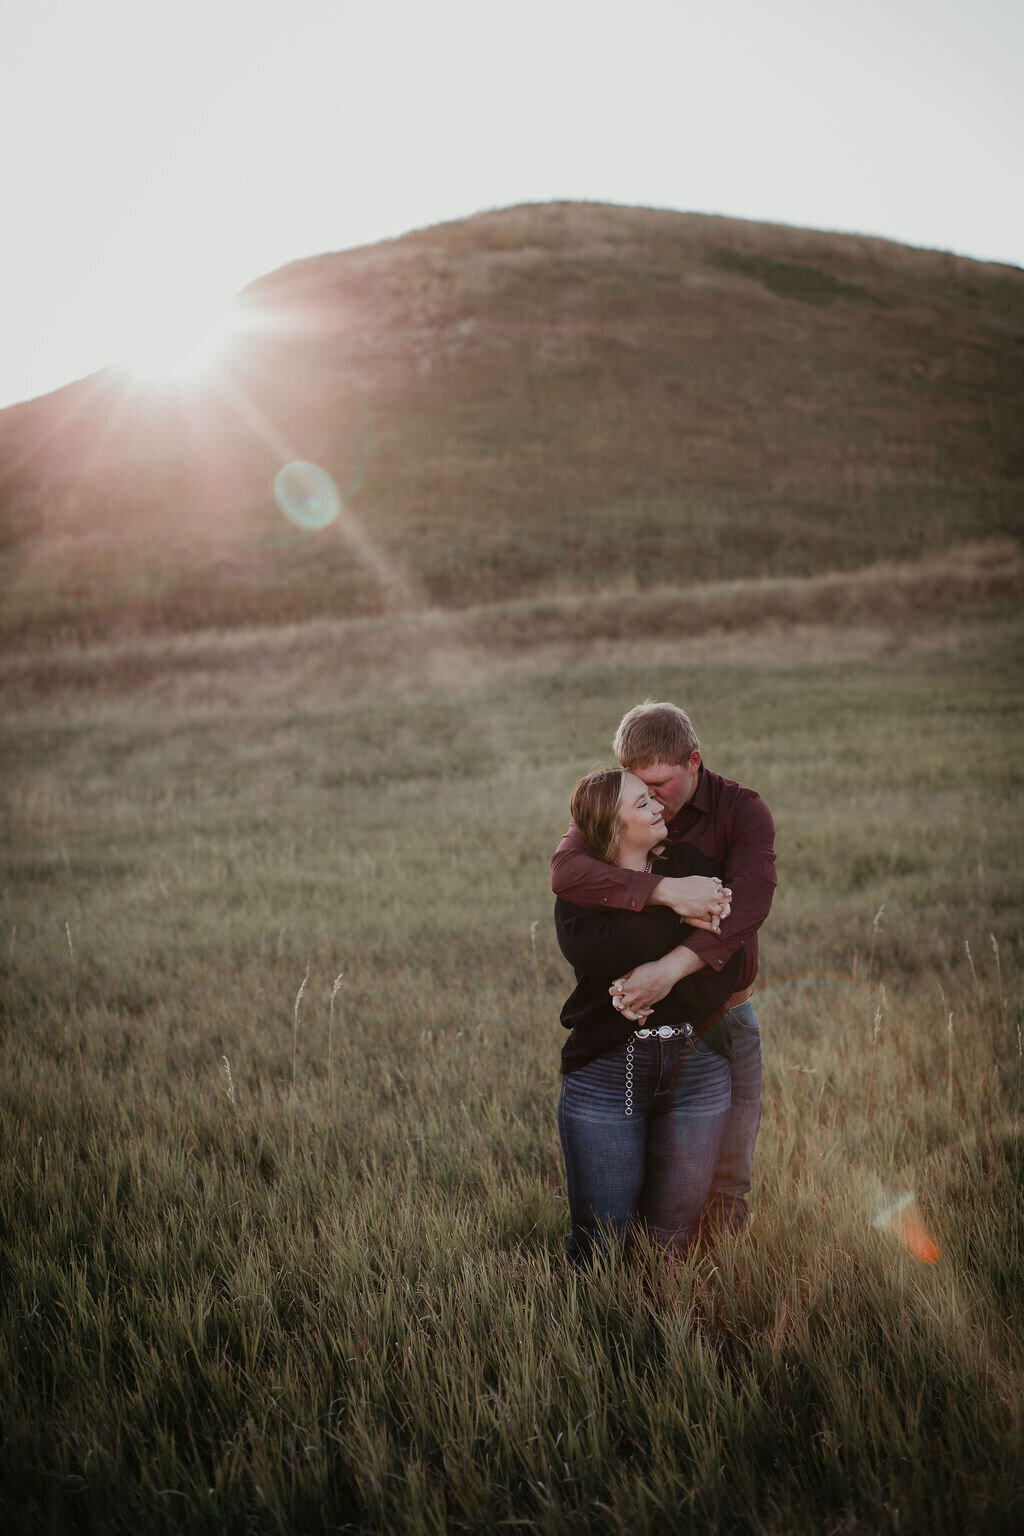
(281, 1193)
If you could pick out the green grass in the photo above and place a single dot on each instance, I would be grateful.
(327, 1291)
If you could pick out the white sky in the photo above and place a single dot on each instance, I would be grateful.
(157, 156)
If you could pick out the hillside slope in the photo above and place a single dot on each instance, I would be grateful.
(546, 400)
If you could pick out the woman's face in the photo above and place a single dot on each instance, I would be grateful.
(641, 818)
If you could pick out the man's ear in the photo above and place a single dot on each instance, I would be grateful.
(694, 762)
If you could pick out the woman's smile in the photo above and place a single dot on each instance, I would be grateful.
(641, 818)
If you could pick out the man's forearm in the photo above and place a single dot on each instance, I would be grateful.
(684, 962)
(578, 877)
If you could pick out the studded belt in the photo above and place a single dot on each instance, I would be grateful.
(663, 1032)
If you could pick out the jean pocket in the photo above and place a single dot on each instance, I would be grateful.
(746, 1018)
(597, 1087)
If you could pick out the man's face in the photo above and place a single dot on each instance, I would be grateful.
(672, 783)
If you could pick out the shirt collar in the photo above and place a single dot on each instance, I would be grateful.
(701, 797)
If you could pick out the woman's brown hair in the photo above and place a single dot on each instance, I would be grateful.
(595, 810)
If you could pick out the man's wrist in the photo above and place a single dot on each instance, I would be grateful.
(684, 962)
(710, 949)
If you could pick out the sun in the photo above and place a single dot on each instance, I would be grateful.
(177, 340)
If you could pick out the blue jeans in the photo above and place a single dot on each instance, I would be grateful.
(683, 1156)
(730, 1185)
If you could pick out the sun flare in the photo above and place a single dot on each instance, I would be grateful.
(178, 343)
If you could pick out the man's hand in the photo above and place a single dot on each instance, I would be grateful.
(635, 994)
(700, 900)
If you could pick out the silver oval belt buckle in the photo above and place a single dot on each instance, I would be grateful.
(666, 1031)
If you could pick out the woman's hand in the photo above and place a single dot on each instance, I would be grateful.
(700, 900)
(635, 994)
(637, 1015)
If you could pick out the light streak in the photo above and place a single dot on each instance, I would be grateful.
(903, 1220)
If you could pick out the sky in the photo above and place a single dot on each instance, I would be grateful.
(158, 156)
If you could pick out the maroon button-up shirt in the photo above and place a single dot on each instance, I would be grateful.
(728, 823)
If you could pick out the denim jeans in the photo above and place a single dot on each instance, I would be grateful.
(684, 1155)
(727, 1204)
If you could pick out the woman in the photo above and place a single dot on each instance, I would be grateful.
(642, 1107)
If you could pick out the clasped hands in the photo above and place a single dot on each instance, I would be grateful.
(702, 901)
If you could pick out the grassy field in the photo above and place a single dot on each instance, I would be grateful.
(281, 1194)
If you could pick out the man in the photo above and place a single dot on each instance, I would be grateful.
(734, 828)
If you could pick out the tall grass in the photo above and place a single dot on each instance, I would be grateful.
(319, 1285)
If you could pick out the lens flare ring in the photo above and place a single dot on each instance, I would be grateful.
(307, 495)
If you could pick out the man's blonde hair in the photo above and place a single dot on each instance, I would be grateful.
(655, 733)
(595, 808)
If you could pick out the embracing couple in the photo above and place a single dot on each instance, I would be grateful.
(663, 880)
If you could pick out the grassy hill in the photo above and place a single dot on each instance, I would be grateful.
(546, 400)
